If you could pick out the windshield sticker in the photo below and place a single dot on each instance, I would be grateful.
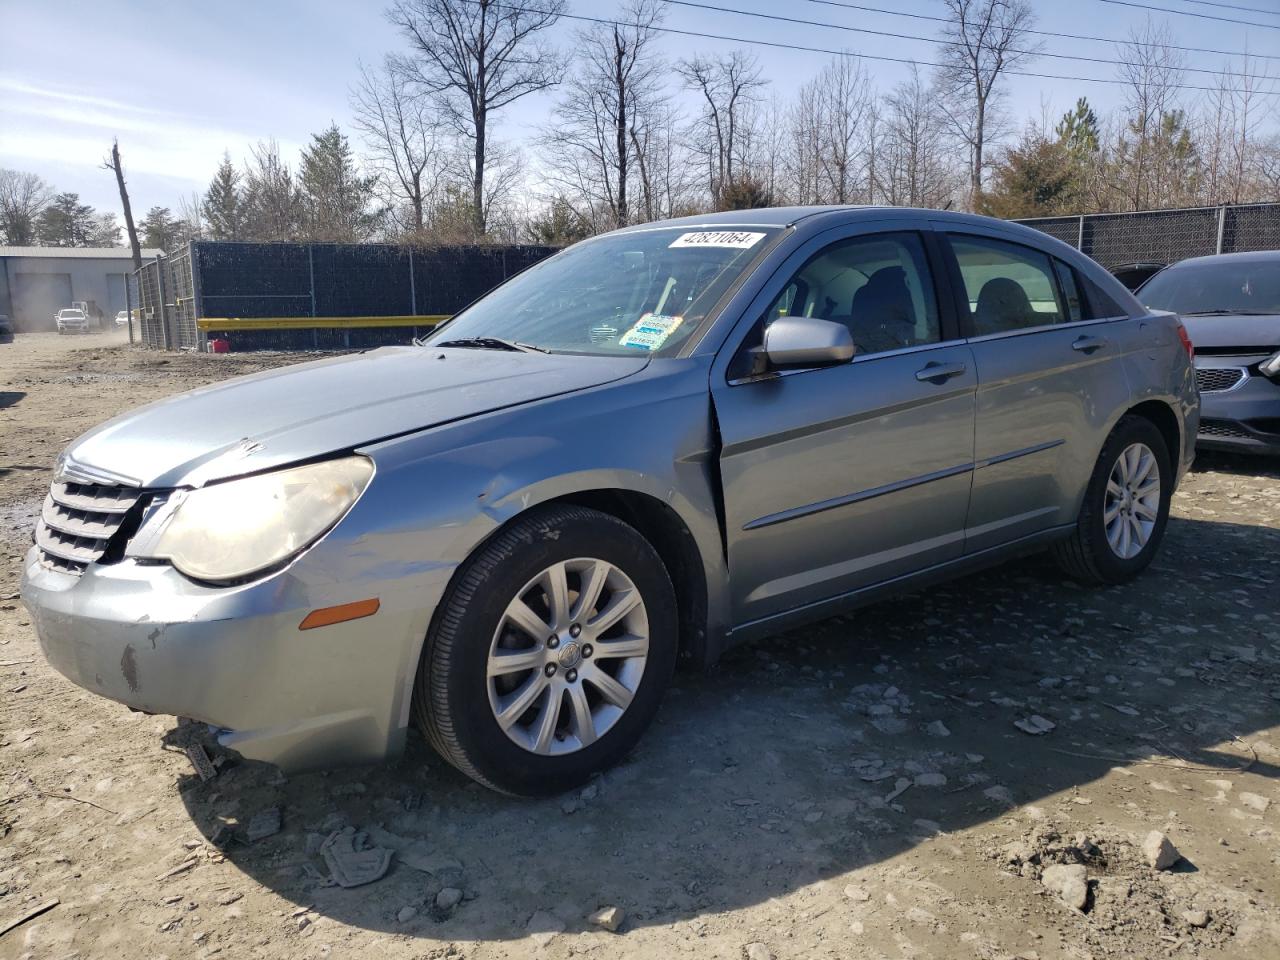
(651, 331)
(736, 239)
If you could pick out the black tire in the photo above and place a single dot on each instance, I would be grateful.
(1086, 555)
(451, 703)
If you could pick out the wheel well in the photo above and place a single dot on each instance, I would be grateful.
(1162, 416)
(664, 529)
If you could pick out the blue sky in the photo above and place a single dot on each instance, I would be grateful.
(179, 82)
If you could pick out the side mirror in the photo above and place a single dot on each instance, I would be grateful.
(791, 342)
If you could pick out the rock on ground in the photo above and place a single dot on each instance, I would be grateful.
(1159, 851)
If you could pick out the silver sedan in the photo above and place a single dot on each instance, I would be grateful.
(658, 443)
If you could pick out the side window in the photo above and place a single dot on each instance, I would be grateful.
(1008, 286)
(1102, 305)
(1070, 291)
(877, 286)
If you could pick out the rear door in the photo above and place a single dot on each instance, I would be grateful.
(1050, 378)
(841, 477)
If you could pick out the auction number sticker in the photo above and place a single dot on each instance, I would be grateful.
(651, 331)
(737, 239)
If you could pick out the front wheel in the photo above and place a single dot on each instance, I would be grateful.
(1125, 509)
(550, 653)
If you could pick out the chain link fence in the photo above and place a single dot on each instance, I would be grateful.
(1166, 236)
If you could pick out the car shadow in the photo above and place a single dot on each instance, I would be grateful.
(10, 398)
(815, 752)
(1237, 464)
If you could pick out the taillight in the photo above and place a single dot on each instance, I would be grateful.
(1186, 341)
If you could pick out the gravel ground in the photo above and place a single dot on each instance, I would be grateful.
(856, 789)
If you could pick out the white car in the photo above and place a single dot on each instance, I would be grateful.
(122, 318)
(71, 319)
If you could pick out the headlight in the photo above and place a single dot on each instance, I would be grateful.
(236, 528)
(1270, 367)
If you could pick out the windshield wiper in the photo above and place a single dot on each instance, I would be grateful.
(492, 343)
(1227, 313)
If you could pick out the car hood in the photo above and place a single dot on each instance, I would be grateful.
(293, 413)
(1253, 334)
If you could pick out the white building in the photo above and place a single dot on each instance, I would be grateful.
(36, 282)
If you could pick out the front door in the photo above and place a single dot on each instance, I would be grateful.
(841, 477)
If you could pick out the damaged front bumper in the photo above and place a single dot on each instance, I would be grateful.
(235, 658)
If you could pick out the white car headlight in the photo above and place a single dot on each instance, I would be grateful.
(230, 530)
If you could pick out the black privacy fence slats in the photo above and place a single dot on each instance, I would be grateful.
(1166, 236)
(183, 295)
(275, 287)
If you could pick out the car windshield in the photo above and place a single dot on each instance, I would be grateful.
(620, 294)
(1242, 287)
(72, 314)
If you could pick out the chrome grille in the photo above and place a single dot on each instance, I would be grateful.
(1216, 379)
(78, 521)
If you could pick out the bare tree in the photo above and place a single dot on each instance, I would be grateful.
(1151, 68)
(592, 150)
(727, 85)
(984, 40)
(845, 95)
(112, 162)
(915, 168)
(475, 57)
(401, 131)
(22, 197)
(1236, 109)
(667, 177)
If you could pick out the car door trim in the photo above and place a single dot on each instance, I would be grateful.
(1015, 454)
(820, 506)
(944, 571)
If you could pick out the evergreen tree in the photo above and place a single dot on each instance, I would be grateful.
(559, 225)
(160, 230)
(66, 222)
(336, 198)
(223, 204)
(1078, 129)
(1035, 178)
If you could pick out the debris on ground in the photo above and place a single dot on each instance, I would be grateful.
(608, 918)
(263, 824)
(1069, 881)
(1160, 851)
(200, 762)
(1034, 725)
(351, 861)
(29, 916)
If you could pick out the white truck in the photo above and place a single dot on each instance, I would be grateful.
(71, 320)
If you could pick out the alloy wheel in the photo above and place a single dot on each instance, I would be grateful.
(1132, 503)
(567, 656)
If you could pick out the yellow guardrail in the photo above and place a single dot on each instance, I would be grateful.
(308, 323)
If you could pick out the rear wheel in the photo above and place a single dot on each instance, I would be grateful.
(550, 652)
(1125, 509)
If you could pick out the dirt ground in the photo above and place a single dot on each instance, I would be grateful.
(856, 789)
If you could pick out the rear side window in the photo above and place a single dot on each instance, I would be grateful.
(1102, 305)
(1070, 291)
(1007, 286)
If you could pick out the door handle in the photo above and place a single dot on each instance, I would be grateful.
(1089, 344)
(935, 372)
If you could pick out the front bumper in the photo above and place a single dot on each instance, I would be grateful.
(1243, 419)
(233, 657)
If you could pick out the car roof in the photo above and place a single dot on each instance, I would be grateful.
(1252, 256)
(790, 216)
